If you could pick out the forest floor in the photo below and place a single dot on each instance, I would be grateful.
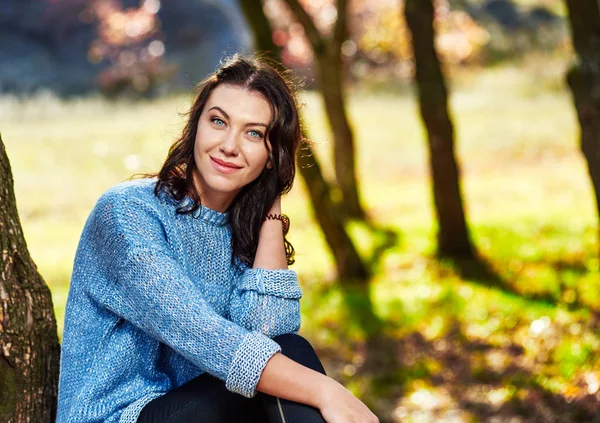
(511, 338)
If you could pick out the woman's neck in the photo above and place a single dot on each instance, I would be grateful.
(214, 200)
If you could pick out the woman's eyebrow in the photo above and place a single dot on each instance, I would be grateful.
(220, 110)
(227, 117)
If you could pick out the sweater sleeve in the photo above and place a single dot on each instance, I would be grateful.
(267, 301)
(148, 287)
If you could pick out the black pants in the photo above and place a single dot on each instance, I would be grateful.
(206, 400)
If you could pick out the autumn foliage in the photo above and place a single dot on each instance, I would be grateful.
(130, 42)
(379, 41)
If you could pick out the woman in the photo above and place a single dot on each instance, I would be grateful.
(181, 307)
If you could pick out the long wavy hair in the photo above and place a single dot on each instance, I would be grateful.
(253, 202)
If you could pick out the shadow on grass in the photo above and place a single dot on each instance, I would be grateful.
(403, 376)
(386, 238)
(454, 378)
(357, 294)
(480, 271)
(357, 300)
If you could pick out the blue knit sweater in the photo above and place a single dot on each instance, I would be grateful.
(155, 301)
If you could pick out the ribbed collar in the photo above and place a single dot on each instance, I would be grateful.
(204, 213)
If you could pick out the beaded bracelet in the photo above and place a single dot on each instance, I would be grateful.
(285, 221)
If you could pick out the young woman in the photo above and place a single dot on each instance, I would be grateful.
(181, 307)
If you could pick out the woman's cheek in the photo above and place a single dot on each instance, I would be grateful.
(257, 156)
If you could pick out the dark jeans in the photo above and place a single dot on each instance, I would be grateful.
(205, 398)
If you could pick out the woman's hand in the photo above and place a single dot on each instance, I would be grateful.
(338, 405)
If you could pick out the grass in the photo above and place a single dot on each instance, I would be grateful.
(462, 347)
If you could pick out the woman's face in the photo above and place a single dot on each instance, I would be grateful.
(229, 148)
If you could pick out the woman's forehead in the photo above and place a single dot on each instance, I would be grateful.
(239, 103)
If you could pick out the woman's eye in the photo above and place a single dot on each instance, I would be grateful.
(255, 134)
(217, 121)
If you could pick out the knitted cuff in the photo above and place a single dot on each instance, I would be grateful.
(250, 360)
(280, 283)
(133, 410)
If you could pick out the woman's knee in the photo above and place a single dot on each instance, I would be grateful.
(299, 349)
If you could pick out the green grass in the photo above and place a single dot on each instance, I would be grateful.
(528, 199)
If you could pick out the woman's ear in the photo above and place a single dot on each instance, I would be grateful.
(269, 164)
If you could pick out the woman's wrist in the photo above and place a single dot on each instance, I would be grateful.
(285, 221)
(272, 226)
(270, 253)
(324, 391)
(285, 378)
(271, 230)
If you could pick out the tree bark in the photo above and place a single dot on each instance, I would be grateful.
(261, 28)
(331, 84)
(349, 265)
(29, 349)
(351, 270)
(453, 236)
(584, 81)
(344, 152)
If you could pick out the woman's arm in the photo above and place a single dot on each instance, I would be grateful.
(283, 377)
(266, 297)
(270, 253)
(140, 280)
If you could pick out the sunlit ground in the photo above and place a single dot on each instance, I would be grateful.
(463, 351)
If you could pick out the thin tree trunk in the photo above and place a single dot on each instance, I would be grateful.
(453, 235)
(584, 81)
(328, 214)
(344, 151)
(261, 28)
(29, 349)
(331, 84)
(351, 269)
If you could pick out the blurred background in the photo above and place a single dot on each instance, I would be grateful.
(445, 213)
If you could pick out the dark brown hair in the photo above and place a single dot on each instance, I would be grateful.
(254, 201)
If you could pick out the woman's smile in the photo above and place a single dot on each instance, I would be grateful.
(223, 166)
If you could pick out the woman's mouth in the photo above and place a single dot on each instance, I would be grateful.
(223, 166)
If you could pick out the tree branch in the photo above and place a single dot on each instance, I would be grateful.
(261, 28)
(584, 17)
(312, 33)
(340, 31)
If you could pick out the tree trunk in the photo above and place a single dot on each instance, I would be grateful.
(327, 52)
(584, 81)
(350, 267)
(29, 349)
(261, 28)
(453, 235)
(331, 83)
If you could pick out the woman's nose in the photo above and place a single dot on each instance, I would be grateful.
(230, 144)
